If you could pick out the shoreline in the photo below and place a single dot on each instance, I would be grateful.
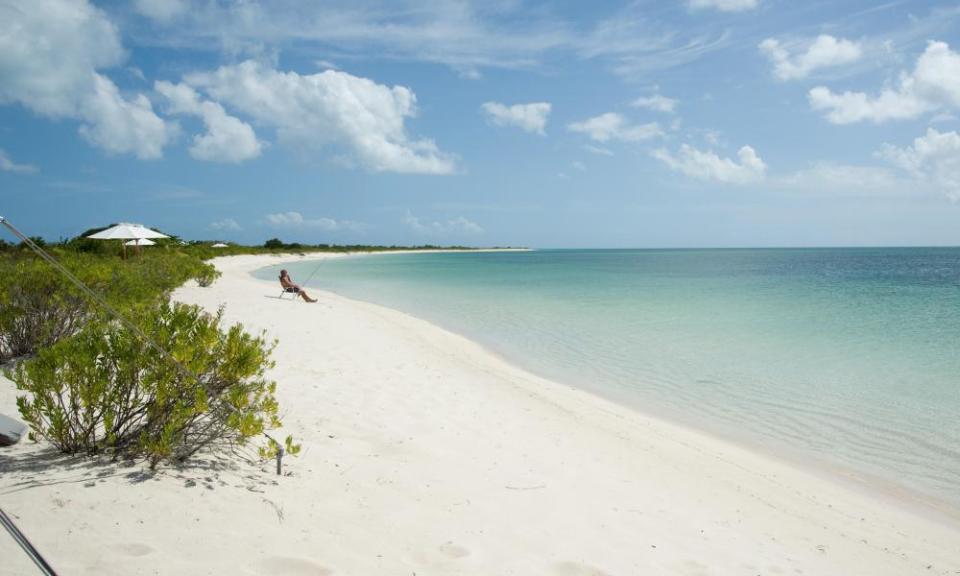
(424, 452)
(910, 499)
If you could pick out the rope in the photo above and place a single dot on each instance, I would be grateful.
(22, 540)
(122, 319)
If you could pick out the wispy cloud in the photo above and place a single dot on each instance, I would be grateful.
(226, 224)
(614, 127)
(530, 117)
(723, 5)
(8, 165)
(656, 103)
(458, 226)
(297, 220)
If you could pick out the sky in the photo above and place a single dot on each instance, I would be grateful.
(676, 123)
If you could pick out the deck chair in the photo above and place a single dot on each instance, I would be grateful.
(283, 293)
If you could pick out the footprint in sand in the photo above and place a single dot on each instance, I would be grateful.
(577, 569)
(453, 551)
(288, 566)
(134, 549)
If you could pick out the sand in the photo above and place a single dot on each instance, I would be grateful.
(425, 454)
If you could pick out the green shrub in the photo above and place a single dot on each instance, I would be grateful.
(106, 391)
(207, 275)
(40, 306)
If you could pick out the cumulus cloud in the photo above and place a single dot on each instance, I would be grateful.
(296, 220)
(933, 157)
(8, 165)
(612, 126)
(50, 54)
(657, 103)
(456, 226)
(934, 84)
(161, 10)
(228, 139)
(227, 224)
(707, 165)
(792, 63)
(528, 117)
(723, 5)
(331, 108)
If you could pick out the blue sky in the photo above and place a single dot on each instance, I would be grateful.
(564, 124)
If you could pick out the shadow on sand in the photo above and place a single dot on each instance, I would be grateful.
(36, 466)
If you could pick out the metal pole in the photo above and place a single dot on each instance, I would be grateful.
(22, 540)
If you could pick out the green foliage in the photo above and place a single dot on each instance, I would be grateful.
(36, 308)
(273, 244)
(206, 275)
(106, 391)
(39, 306)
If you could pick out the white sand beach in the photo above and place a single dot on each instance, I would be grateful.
(425, 454)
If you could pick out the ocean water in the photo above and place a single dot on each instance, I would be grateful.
(850, 357)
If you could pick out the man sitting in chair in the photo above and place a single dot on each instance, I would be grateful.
(289, 286)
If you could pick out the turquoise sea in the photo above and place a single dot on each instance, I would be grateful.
(847, 357)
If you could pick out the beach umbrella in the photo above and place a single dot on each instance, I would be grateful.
(126, 231)
(219, 245)
(140, 242)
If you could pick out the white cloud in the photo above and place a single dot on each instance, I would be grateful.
(707, 165)
(933, 158)
(227, 224)
(331, 108)
(161, 10)
(934, 84)
(723, 5)
(530, 117)
(823, 52)
(599, 150)
(50, 51)
(8, 165)
(657, 103)
(296, 220)
(120, 125)
(612, 126)
(456, 226)
(835, 178)
(228, 139)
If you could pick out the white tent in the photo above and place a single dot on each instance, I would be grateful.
(219, 245)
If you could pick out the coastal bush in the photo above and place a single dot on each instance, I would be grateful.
(206, 275)
(107, 391)
(36, 308)
(39, 306)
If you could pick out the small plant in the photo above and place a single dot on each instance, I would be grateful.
(106, 391)
(207, 275)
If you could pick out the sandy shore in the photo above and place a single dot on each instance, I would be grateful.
(424, 454)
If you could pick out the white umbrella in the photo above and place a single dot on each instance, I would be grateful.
(126, 231)
(140, 242)
(219, 245)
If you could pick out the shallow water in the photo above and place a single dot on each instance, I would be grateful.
(851, 356)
